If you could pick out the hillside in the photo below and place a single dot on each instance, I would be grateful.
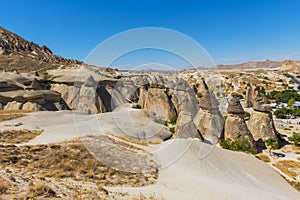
(16, 53)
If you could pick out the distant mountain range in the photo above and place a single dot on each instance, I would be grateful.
(268, 64)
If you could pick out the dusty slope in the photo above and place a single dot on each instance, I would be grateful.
(218, 174)
(189, 169)
(63, 125)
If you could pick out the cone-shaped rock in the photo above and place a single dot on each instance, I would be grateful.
(209, 120)
(261, 123)
(235, 125)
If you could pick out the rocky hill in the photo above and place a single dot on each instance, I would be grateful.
(268, 64)
(16, 53)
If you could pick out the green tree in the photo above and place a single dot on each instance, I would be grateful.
(296, 112)
(282, 113)
(272, 144)
(295, 138)
(291, 102)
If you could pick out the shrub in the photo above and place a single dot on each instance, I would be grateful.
(246, 115)
(238, 145)
(173, 120)
(160, 121)
(237, 95)
(172, 130)
(272, 143)
(295, 138)
(199, 95)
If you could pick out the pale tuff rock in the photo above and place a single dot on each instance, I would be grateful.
(251, 94)
(185, 127)
(261, 104)
(290, 66)
(209, 120)
(261, 123)
(235, 125)
(13, 105)
(33, 100)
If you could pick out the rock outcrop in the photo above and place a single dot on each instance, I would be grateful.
(156, 100)
(289, 66)
(251, 95)
(235, 125)
(32, 100)
(261, 123)
(209, 120)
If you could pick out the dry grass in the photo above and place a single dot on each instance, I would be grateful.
(294, 184)
(289, 167)
(6, 115)
(144, 197)
(3, 186)
(263, 157)
(134, 141)
(68, 160)
(40, 189)
(18, 136)
(291, 149)
(126, 144)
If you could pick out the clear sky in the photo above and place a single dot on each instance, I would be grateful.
(231, 31)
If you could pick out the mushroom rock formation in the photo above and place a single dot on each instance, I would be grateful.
(261, 123)
(209, 120)
(235, 125)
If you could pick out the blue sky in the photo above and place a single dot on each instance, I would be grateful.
(231, 31)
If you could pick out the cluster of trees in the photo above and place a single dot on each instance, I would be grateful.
(238, 145)
(283, 112)
(284, 96)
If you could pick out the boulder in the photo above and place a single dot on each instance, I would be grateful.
(32, 106)
(13, 105)
(261, 104)
(235, 107)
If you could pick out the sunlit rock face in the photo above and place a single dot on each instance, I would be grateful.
(209, 120)
(235, 126)
(261, 123)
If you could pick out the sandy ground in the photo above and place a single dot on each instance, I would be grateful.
(189, 169)
(64, 125)
(202, 172)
